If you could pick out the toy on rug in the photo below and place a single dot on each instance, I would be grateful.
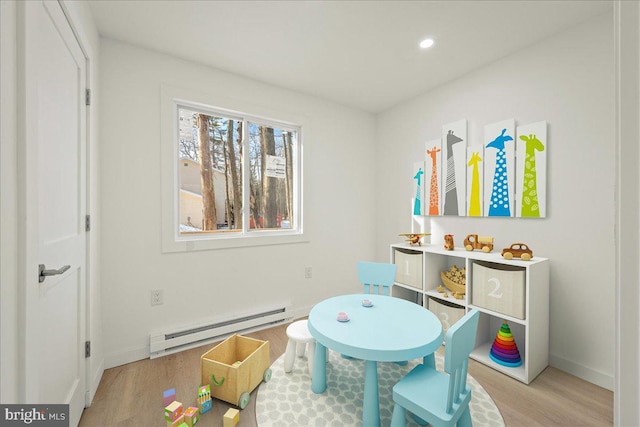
(414, 238)
(235, 367)
(504, 350)
(231, 418)
(448, 242)
(204, 399)
(473, 241)
(455, 280)
(517, 250)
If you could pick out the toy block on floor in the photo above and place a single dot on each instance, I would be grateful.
(191, 416)
(169, 396)
(173, 411)
(206, 406)
(179, 422)
(204, 399)
(231, 418)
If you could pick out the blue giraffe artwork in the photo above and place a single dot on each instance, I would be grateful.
(500, 201)
(417, 204)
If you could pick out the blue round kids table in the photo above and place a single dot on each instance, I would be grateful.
(392, 330)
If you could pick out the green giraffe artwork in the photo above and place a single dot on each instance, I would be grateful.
(530, 204)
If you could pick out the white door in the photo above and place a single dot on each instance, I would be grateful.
(54, 163)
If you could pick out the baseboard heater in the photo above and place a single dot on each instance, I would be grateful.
(165, 343)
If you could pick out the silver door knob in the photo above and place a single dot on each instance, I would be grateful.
(44, 272)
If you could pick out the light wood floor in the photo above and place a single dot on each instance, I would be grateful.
(131, 395)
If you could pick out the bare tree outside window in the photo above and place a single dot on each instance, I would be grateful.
(271, 177)
(210, 172)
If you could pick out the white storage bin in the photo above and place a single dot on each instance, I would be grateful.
(448, 313)
(409, 264)
(500, 288)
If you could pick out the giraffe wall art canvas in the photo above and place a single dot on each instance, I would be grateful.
(475, 175)
(433, 178)
(531, 170)
(418, 183)
(454, 156)
(499, 169)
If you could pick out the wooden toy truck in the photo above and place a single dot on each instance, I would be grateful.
(473, 241)
(235, 367)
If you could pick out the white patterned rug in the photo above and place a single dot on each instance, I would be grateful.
(287, 400)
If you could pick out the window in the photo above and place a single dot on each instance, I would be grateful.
(237, 175)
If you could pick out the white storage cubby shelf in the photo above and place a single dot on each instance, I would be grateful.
(418, 277)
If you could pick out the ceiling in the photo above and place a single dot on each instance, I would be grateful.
(362, 54)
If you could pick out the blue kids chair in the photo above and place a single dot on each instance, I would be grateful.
(440, 398)
(376, 277)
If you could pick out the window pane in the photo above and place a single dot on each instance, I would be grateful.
(271, 156)
(210, 172)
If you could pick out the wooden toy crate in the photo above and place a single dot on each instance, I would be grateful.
(235, 367)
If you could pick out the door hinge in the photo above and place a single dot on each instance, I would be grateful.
(87, 349)
(87, 97)
(87, 223)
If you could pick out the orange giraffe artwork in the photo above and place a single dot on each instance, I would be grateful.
(434, 200)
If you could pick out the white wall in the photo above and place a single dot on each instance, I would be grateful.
(210, 284)
(567, 80)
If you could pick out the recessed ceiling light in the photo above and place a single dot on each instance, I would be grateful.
(426, 43)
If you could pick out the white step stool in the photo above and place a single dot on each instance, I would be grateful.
(300, 342)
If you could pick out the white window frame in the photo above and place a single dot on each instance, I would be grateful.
(172, 240)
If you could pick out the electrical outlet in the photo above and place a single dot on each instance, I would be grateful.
(308, 272)
(156, 297)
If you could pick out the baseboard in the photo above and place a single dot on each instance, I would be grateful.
(97, 377)
(127, 356)
(301, 312)
(134, 354)
(596, 377)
